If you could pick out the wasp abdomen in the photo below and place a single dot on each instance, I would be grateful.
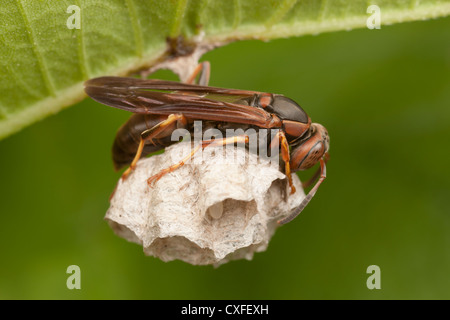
(128, 136)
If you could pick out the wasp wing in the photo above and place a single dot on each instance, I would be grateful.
(137, 95)
(153, 84)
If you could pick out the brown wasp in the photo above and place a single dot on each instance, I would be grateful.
(160, 107)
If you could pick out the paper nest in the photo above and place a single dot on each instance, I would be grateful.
(206, 212)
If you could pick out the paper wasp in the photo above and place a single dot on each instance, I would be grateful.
(160, 107)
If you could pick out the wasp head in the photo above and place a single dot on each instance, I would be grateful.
(308, 152)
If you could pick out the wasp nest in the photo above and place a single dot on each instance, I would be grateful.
(206, 212)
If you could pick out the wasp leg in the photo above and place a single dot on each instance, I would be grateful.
(203, 144)
(281, 138)
(316, 174)
(295, 212)
(148, 135)
(204, 69)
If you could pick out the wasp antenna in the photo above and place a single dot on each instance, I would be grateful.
(295, 212)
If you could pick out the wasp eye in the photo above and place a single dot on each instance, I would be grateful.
(313, 155)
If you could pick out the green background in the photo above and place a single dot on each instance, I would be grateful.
(384, 97)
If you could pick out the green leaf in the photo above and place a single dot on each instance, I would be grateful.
(43, 63)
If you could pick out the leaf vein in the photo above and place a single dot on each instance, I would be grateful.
(201, 12)
(323, 8)
(414, 4)
(179, 16)
(237, 14)
(19, 80)
(137, 28)
(31, 37)
(281, 11)
(82, 61)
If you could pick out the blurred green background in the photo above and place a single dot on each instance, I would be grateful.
(384, 96)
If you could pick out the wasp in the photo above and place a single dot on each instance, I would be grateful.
(160, 107)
